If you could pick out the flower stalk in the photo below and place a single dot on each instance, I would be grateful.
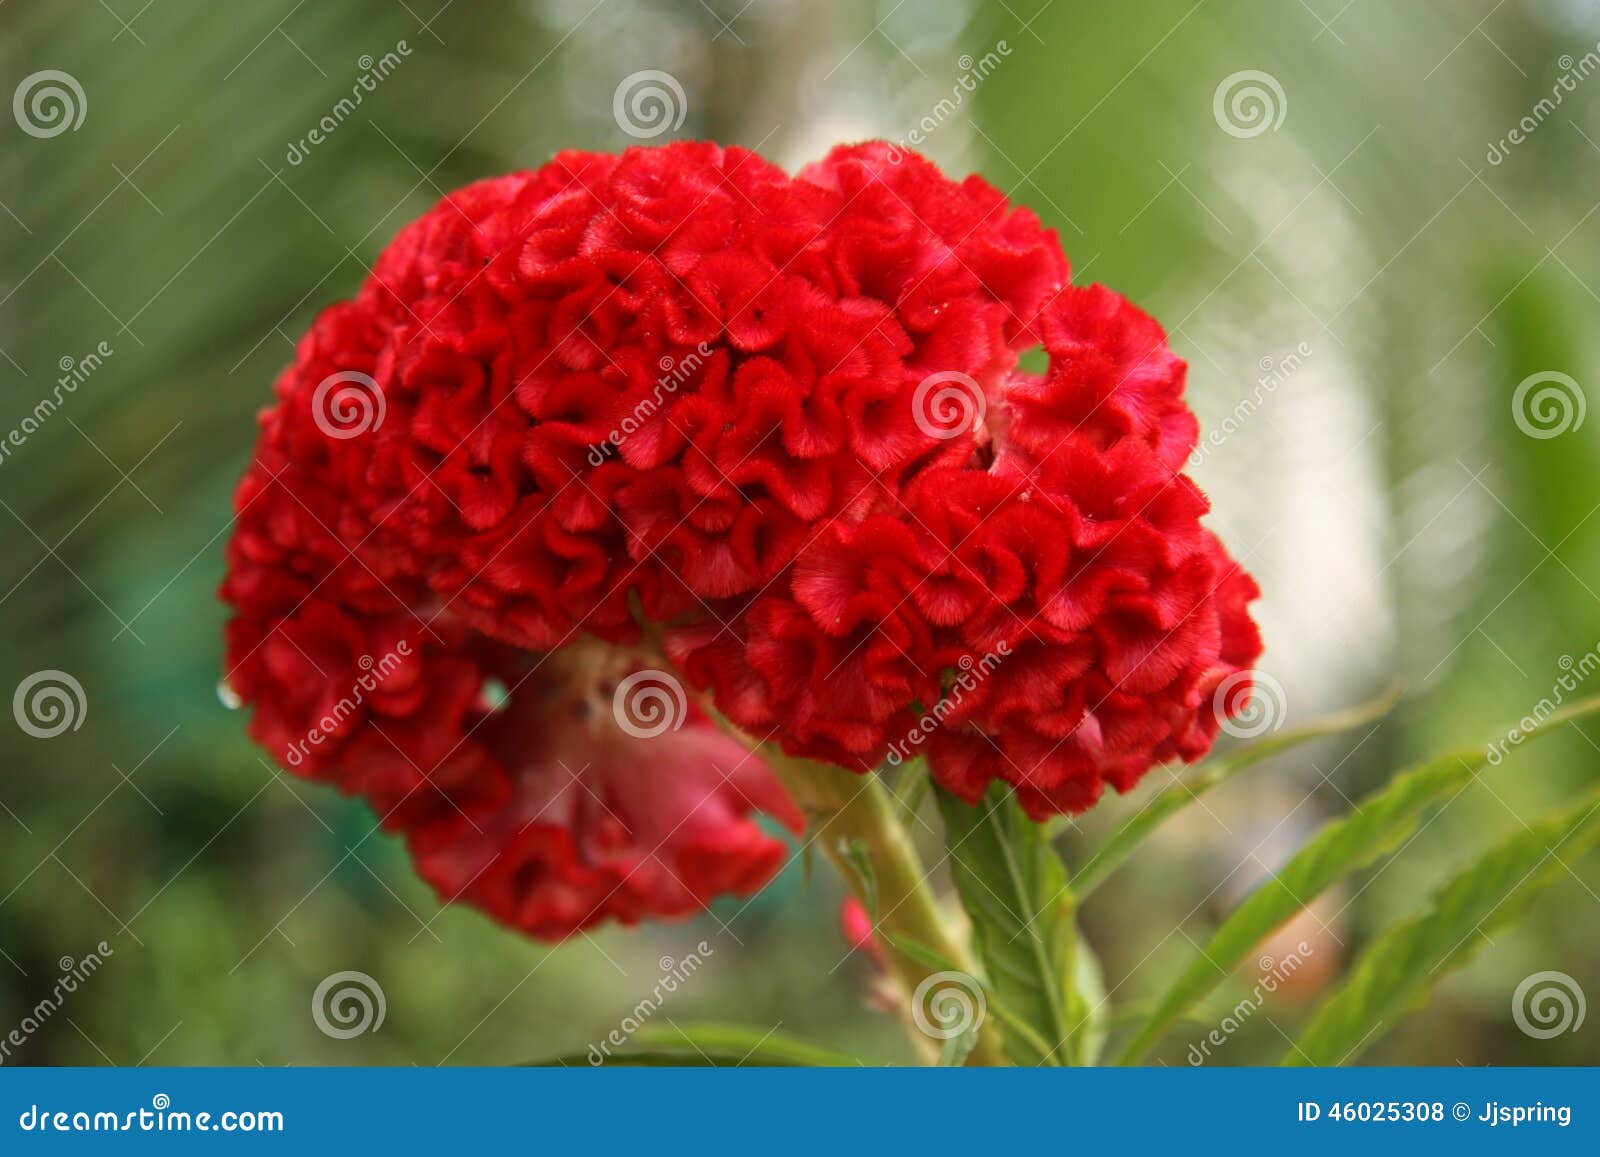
(846, 810)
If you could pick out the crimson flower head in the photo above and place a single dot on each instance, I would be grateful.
(761, 439)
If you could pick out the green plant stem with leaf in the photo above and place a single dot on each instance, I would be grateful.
(1043, 1001)
(862, 831)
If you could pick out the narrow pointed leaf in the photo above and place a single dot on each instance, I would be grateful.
(706, 1046)
(1382, 822)
(1014, 888)
(1115, 851)
(746, 1045)
(997, 1007)
(1401, 967)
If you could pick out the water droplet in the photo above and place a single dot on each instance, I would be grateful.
(227, 696)
(495, 695)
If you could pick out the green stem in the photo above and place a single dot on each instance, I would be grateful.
(847, 809)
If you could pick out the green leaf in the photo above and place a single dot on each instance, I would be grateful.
(911, 788)
(855, 853)
(922, 954)
(1400, 968)
(748, 1043)
(1014, 888)
(1115, 851)
(998, 1008)
(1093, 1005)
(1382, 822)
(713, 1045)
(954, 1052)
(633, 1058)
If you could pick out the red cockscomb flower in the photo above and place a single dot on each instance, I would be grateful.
(772, 425)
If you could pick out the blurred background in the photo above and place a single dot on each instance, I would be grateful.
(1364, 225)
